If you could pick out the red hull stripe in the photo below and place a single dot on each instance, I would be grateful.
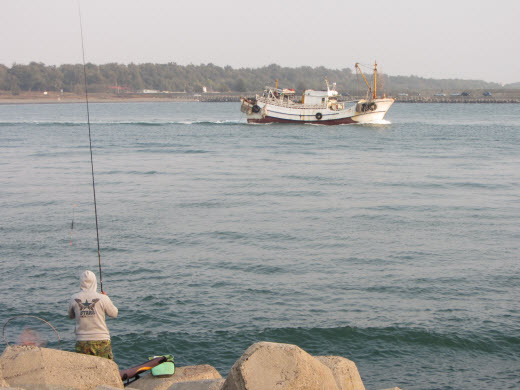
(270, 119)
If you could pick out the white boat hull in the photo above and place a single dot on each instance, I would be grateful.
(263, 112)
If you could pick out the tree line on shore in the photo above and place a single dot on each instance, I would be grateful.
(172, 77)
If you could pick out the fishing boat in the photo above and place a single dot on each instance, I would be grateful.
(281, 105)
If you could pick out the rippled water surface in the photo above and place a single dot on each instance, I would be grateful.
(396, 245)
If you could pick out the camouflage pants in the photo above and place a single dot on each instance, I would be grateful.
(101, 348)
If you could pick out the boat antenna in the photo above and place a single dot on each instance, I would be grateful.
(90, 146)
(375, 79)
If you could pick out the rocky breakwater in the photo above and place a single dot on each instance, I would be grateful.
(43, 368)
(263, 366)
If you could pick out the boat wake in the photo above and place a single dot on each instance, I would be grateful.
(377, 123)
(221, 122)
(383, 122)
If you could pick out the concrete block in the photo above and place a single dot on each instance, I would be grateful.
(105, 387)
(274, 366)
(345, 372)
(206, 384)
(3, 383)
(10, 388)
(182, 374)
(42, 368)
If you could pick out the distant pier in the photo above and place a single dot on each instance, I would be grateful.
(450, 99)
(234, 97)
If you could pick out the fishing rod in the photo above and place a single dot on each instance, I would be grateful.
(90, 145)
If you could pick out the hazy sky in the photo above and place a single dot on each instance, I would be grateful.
(469, 39)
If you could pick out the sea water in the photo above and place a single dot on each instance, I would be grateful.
(394, 245)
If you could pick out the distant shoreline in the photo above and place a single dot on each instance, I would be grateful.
(64, 98)
(56, 98)
(94, 97)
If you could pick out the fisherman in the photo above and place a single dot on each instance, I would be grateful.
(88, 307)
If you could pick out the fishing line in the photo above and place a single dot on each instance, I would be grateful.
(29, 316)
(90, 145)
(72, 224)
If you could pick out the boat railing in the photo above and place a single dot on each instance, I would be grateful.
(289, 104)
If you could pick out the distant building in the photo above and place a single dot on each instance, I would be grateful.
(487, 94)
(204, 90)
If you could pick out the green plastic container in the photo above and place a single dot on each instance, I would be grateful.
(164, 369)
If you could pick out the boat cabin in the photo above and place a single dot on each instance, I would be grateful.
(319, 97)
(328, 98)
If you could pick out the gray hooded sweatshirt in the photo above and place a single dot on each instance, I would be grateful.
(88, 307)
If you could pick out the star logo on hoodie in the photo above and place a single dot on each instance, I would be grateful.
(87, 308)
